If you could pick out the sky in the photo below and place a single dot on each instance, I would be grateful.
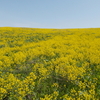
(50, 13)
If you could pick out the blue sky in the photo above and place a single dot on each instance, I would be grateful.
(50, 13)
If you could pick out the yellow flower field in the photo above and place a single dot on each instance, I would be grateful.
(49, 64)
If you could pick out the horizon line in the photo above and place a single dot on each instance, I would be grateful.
(47, 28)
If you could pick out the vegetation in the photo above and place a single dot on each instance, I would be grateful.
(49, 64)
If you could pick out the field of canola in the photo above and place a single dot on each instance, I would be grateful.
(49, 64)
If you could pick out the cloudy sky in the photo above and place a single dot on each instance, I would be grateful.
(50, 13)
